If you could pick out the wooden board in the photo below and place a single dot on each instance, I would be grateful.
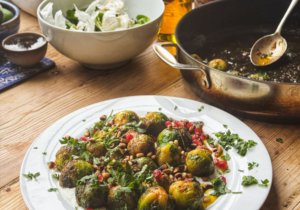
(29, 108)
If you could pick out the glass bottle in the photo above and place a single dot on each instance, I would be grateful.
(174, 11)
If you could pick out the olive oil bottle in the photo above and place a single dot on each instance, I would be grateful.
(174, 11)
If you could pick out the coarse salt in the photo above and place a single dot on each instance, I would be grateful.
(18, 47)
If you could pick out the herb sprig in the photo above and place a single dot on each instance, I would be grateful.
(30, 176)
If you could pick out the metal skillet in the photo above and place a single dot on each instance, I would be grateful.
(253, 99)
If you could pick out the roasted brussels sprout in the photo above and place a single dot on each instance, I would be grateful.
(73, 171)
(117, 154)
(187, 195)
(96, 149)
(155, 198)
(118, 199)
(91, 196)
(169, 153)
(140, 143)
(164, 182)
(123, 117)
(218, 64)
(140, 162)
(200, 162)
(181, 134)
(259, 76)
(154, 122)
(64, 154)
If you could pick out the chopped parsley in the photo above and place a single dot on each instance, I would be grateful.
(237, 192)
(34, 147)
(100, 125)
(80, 144)
(219, 187)
(264, 183)
(249, 180)
(169, 167)
(159, 109)
(175, 108)
(225, 126)
(44, 153)
(225, 157)
(55, 176)
(96, 161)
(52, 190)
(29, 176)
(136, 126)
(194, 157)
(83, 120)
(84, 155)
(201, 108)
(241, 170)
(252, 165)
(279, 140)
(210, 141)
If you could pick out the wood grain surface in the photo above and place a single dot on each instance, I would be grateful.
(29, 108)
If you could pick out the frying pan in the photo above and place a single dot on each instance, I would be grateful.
(254, 99)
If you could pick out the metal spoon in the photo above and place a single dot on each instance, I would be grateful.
(270, 48)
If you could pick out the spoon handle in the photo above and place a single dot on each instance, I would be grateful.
(286, 15)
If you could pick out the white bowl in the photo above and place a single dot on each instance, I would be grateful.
(29, 6)
(104, 50)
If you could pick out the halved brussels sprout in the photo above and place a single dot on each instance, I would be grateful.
(181, 134)
(187, 195)
(218, 64)
(64, 154)
(164, 182)
(96, 149)
(124, 117)
(115, 155)
(74, 170)
(200, 162)
(155, 198)
(140, 162)
(91, 196)
(154, 122)
(118, 199)
(169, 153)
(140, 143)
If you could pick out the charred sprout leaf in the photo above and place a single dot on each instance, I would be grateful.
(279, 140)
(55, 176)
(227, 170)
(52, 190)
(175, 108)
(29, 176)
(241, 170)
(219, 187)
(249, 180)
(251, 165)
(226, 157)
(264, 183)
(44, 153)
(135, 126)
(34, 147)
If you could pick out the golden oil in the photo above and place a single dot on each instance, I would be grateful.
(174, 11)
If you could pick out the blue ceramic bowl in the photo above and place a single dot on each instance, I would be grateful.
(12, 26)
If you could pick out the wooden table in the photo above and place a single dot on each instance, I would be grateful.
(29, 108)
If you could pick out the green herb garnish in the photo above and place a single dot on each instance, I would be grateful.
(201, 108)
(175, 108)
(225, 157)
(55, 176)
(83, 120)
(44, 153)
(219, 187)
(227, 170)
(52, 190)
(241, 170)
(159, 109)
(279, 140)
(173, 150)
(236, 192)
(264, 183)
(225, 126)
(34, 147)
(29, 176)
(249, 180)
(251, 165)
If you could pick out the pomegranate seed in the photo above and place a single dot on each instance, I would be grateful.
(187, 179)
(207, 136)
(124, 161)
(83, 138)
(88, 209)
(154, 138)
(203, 137)
(198, 131)
(90, 162)
(194, 137)
(223, 179)
(179, 124)
(168, 123)
(111, 186)
(157, 174)
(129, 136)
(189, 125)
(223, 164)
(199, 143)
(111, 123)
(100, 177)
(216, 162)
(95, 129)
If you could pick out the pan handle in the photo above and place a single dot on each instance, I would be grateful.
(169, 59)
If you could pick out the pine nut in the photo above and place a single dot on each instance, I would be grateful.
(119, 134)
(205, 179)
(220, 149)
(138, 155)
(182, 159)
(123, 145)
(86, 133)
(167, 171)
(176, 170)
(149, 154)
(178, 175)
(189, 175)
(206, 199)
(106, 175)
(194, 145)
(183, 175)
(163, 167)
(131, 158)
(67, 137)
(169, 126)
(186, 121)
(192, 128)
(184, 168)
(153, 157)
(171, 142)
(51, 165)
(130, 163)
(171, 176)
(182, 152)
(102, 118)
(176, 142)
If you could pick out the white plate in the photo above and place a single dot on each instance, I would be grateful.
(37, 197)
